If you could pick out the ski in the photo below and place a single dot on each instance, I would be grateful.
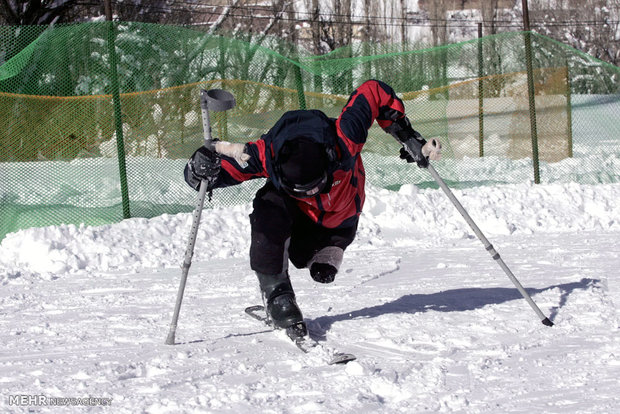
(298, 334)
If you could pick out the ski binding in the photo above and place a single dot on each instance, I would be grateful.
(298, 334)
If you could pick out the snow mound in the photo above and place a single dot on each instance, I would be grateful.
(390, 218)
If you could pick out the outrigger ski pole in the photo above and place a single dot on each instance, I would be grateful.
(216, 100)
(487, 245)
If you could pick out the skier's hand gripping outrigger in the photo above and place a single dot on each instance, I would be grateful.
(416, 149)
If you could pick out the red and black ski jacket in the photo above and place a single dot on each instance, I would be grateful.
(344, 139)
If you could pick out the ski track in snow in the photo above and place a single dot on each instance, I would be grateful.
(435, 323)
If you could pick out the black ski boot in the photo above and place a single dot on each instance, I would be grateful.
(279, 299)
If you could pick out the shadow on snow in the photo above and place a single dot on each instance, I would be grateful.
(456, 300)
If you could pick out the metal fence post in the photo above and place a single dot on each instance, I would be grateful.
(531, 91)
(118, 120)
(300, 85)
(480, 94)
(569, 111)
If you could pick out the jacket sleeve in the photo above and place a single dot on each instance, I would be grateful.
(373, 100)
(231, 173)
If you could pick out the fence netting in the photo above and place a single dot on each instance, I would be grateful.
(98, 119)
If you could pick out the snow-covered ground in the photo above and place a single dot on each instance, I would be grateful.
(435, 323)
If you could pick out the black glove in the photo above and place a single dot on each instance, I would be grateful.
(204, 164)
(411, 140)
(411, 151)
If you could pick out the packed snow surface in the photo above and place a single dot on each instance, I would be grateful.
(434, 321)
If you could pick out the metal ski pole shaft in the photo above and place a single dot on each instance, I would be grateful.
(187, 262)
(488, 246)
(216, 100)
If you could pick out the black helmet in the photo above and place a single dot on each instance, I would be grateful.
(302, 167)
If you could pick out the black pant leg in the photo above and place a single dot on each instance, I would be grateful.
(280, 229)
(271, 225)
(307, 238)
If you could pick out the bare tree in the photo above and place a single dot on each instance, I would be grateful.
(34, 12)
(315, 16)
(39, 13)
(153, 11)
(439, 32)
(368, 33)
(439, 26)
(492, 62)
(563, 20)
(490, 13)
(404, 38)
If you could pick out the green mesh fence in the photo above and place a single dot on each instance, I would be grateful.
(98, 119)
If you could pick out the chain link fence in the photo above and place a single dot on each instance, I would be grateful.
(98, 119)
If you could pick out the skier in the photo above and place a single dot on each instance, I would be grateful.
(308, 210)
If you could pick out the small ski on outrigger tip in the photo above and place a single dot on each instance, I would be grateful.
(298, 333)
